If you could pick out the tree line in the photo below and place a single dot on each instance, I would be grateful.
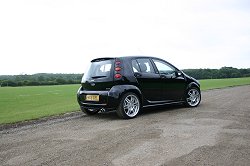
(224, 72)
(39, 79)
(60, 79)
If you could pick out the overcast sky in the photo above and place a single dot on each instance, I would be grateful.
(62, 36)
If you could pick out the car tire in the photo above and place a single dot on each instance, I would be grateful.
(129, 106)
(90, 111)
(193, 97)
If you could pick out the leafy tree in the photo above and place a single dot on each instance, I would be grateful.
(58, 79)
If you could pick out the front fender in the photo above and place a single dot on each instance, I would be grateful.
(193, 84)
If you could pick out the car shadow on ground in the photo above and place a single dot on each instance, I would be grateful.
(159, 109)
(144, 112)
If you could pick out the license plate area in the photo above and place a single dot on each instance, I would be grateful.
(92, 98)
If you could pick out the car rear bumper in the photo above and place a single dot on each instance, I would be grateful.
(106, 100)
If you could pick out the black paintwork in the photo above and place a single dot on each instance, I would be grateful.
(152, 88)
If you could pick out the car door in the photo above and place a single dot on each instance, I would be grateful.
(147, 79)
(173, 82)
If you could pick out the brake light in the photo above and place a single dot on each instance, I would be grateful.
(118, 75)
(118, 62)
(118, 69)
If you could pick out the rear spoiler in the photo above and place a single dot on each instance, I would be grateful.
(101, 59)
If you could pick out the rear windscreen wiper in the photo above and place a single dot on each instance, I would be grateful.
(98, 76)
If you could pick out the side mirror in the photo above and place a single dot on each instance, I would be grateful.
(178, 73)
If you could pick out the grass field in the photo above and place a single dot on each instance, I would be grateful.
(221, 83)
(26, 103)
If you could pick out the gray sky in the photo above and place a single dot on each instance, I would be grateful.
(62, 36)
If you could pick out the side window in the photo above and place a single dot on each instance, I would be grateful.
(135, 66)
(145, 65)
(164, 68)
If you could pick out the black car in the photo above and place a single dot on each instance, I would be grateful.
(127, 84)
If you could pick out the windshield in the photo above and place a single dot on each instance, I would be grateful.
(99, 69)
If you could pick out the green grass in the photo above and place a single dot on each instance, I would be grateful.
(222, 83)
(26, 103)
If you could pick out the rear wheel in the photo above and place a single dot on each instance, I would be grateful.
(129, 106)
(90, 111)
(193, 97)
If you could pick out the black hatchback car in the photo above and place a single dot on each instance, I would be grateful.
(127, 84)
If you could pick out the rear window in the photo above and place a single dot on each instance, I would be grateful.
(98, 70)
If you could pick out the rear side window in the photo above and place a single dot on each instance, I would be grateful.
(99, 69)
(135, 66)
(145, 65)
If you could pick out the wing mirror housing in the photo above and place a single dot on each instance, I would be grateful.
(178, 73)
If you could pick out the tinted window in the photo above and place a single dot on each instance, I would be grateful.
(135, 66)
(145, 65)
(164, 68)
(100, 69)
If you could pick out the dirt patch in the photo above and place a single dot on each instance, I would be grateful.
(215, 133)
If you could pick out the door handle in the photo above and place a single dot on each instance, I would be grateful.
(163, 76)
(138, 75)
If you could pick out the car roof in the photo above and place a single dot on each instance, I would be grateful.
(130, 58)
(122, 57)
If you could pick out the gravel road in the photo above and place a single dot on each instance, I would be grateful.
(215, 133)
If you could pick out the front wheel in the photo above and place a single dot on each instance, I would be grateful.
(90, 111)
(193, 97)
(129, 106)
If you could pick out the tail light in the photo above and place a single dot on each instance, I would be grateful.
(118, 76)
(118, 69)
(117, 62)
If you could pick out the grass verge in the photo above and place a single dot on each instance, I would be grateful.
(222, 83)
(26, 103)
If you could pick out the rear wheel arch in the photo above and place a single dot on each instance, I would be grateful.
(129, 105)
(120, 90)
(135, 91)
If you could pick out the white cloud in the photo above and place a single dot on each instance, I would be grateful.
(61, 36)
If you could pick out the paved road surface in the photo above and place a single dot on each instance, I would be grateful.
(215, 133)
